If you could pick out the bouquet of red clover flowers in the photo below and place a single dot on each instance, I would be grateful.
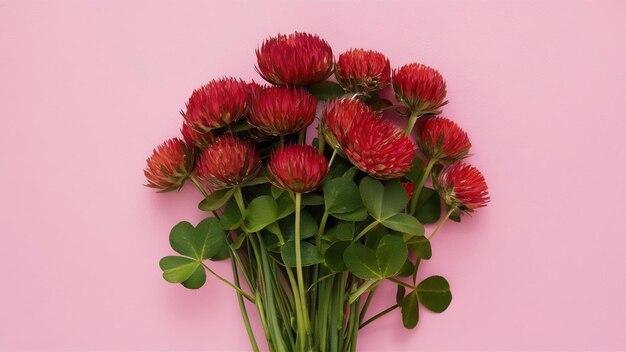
(311, 230)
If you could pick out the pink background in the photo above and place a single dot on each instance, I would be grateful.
(87, 88)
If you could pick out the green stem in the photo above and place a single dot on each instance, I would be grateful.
(242, 307)
(420, 186)
(203, 191)
(321, 141)
(296, 302)
(302, 136)
(409, 126)
(198, 185)
(353, 325)
(262, 266)
(370, 320)
(441, 223)
(368, 301)
(401, 283)
(244, 271)
(337, 324)
(300, 276)
(322, 228)
(332, 158)
(332, 319)
(417, 265)
(260, 303)
(365, 230)
(239, 290)
(294, 290)
(320, 320)
(268, 285)
(359, 291)
(316, 290)
(239, 199)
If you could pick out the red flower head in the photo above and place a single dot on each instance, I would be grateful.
(378, 147)
(362, 71)
(254, 89)
(462, 185)
(279, 111)
(421, 88)
(408, 187)
(169, 165)
(217, 104)
(442, 139)
(195, 138)
(228, 162)
(294, 59)
(297, 168)
(338, 117)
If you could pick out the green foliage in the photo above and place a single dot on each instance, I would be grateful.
(202, 242)
(177, 269)
(312, 199)
(400, 295)
(206, 240)
(196, 280)
(420, 245)
(308, 226)
(391, 255)
(231, 216)
(334, 255)
(285, 205)
(216, 199)
(357, 215)
(383, 201)
(261, 212)
(407, 269)
(428, 208)
(276, 192)
(386, 261)
(339, 167)
(434, 293)
(417, 171)
(341, 195)
(326, 90)
(404, 223)
(309, 253)
(361, 261)
(410, 310)
(366, 235)
(343, 231)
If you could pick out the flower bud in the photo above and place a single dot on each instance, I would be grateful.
(362, 71)
(420, 88)
(297, 168)
(337, 120)
(443, 140)
(372, 144)
(379, 148)
(169, 165)
(463, 186)
(280, 111)
(196, 139)
(217, 104)
(294, 59)
(228, 162)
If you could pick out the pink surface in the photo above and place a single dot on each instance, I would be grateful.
(88, 88)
